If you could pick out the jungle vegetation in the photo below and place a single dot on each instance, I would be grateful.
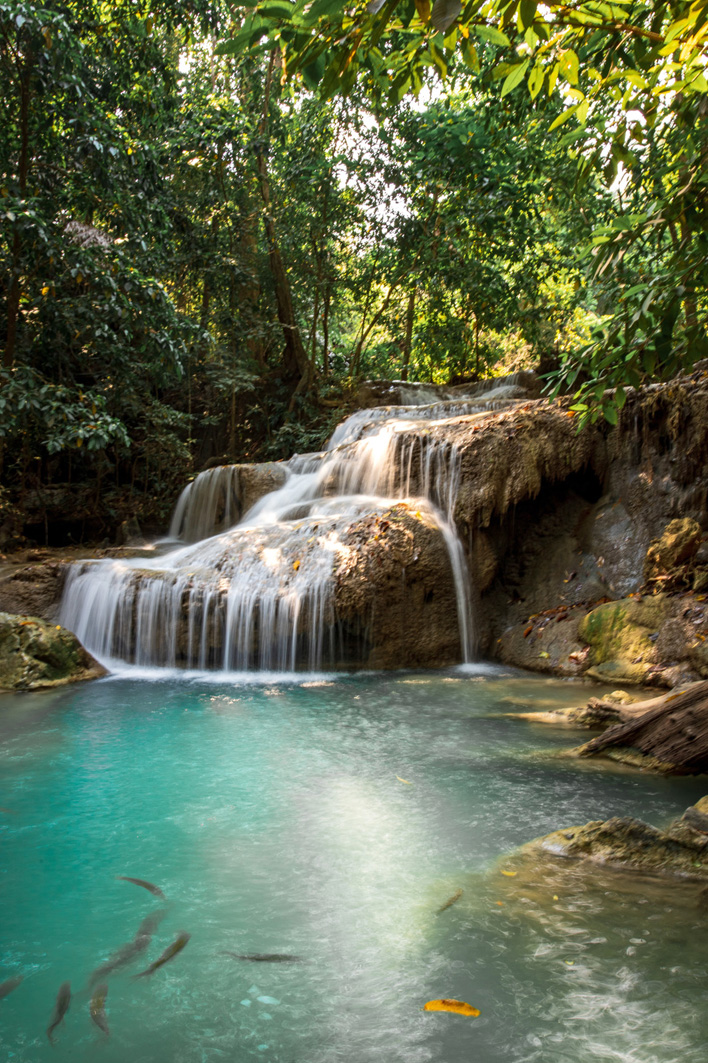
(216, 219)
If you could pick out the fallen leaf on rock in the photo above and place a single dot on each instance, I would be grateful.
(458, 1007)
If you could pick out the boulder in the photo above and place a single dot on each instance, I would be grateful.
(396, 581)
(34, 590)
(547, 643)
(35, 654)
(621, 636)
(632, 845)
(678, 544)
(668, 557)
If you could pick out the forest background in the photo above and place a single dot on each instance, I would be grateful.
(216, 220)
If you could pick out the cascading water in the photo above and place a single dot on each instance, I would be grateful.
(260, 595)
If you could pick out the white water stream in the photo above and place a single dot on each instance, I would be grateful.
(258, 594)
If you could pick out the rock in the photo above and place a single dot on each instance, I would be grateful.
(667, 556)
(610, 534)
(668, 734)
(618, 634)
(34, 590)
(483, 561)
(546, 644)
(129, 533)
(632, 845)
(700, 581)
(619, 697)
(396, 582)
(35, 655)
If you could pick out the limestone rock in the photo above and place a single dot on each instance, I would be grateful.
(396, 584)
(612, 536)
(632, 845)
(553, 647)
(34, 590)
(35, 654)
(618, 634)
(667, 556)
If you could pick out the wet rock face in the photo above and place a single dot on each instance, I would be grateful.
(397, 581)
(35, 654)
(633, 845)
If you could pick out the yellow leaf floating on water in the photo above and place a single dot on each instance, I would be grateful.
(404, 780)
(296, 565)
(459, 1007)
(510, 874)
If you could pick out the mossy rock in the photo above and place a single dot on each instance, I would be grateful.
(636, 846)
(35, 654)
(618, 635)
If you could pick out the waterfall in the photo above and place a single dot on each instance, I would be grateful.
(209, 504)
(256, 590)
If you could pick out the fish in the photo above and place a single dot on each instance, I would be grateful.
(264, 957)
(171, 951)
(449, 903)
(97, 1007)
(9, 985)
(60, 1008)
(126, 953)
(146, 885)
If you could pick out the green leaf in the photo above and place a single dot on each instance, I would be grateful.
(492, 34)
(569, 66)
(527, 13)
(321, 8)
(562, 118)
(276, 9)
(535, 82)
(515, 75)
(444, 13)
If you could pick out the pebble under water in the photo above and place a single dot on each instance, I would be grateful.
(329, 819)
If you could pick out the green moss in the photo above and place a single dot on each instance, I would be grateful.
(35, 654)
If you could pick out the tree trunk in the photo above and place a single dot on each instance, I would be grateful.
(13, 297)
(294, 346)
(408, 338)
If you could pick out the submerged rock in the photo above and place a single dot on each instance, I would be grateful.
(630, 844)
(35, 654)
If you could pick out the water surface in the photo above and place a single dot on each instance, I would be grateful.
(330, 819)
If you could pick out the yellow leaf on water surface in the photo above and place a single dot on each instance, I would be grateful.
(404, 780)
(459, 1007)
(510, 874)
(296, 565)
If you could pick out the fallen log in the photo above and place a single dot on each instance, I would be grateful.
(670, 733)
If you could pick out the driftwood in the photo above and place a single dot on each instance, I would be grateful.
(673, 730)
